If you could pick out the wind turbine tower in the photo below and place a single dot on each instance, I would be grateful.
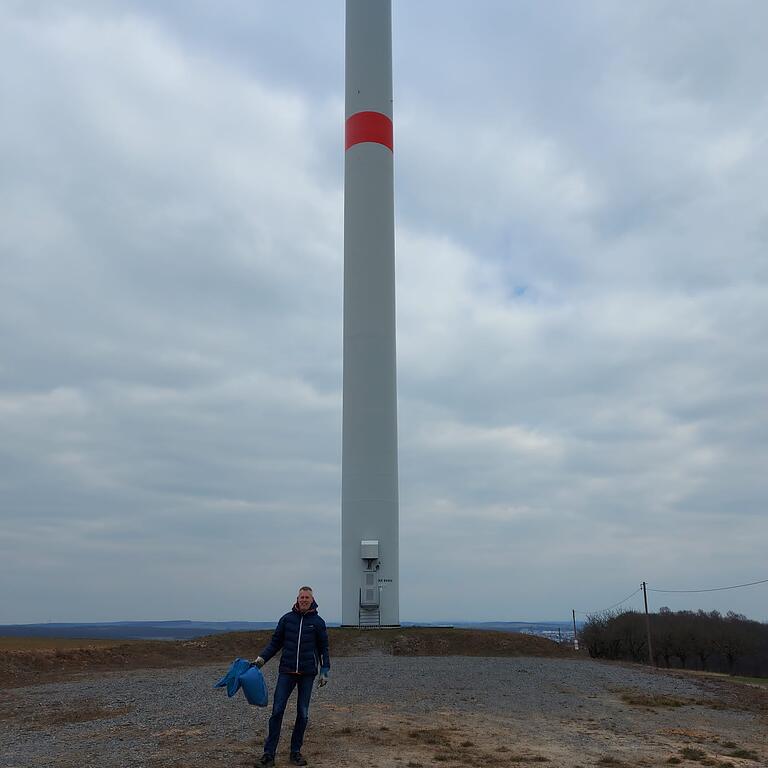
(369, 495)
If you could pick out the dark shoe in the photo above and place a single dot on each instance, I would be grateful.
(297, 758)
(267, 761)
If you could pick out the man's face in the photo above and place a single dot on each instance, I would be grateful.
(304, 600)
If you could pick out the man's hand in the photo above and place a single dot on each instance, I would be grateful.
(323, 680)
(259, 662)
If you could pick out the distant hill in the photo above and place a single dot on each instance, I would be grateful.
(132, 630)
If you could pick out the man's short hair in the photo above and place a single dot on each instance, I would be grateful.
(305, 588)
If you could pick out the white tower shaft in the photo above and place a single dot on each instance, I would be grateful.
(369, 503)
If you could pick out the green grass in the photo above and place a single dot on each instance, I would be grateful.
(761, 681)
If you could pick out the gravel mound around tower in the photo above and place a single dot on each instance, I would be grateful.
(389, 710)
(24, 661)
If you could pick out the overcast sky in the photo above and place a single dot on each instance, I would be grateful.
(582, 276)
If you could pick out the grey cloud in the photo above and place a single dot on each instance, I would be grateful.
(581, 306)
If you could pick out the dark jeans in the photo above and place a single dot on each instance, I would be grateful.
(283, 689)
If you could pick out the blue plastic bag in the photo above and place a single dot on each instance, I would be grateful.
(254, 687)
(242, 675)
(232, 679)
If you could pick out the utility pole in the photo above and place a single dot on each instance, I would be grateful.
(575, 636)
(648, 626)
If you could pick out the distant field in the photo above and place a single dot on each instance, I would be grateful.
(54, 643)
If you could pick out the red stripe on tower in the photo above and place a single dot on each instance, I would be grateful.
(368, 126)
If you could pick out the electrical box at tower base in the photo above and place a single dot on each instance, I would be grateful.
(369, 592)
(369, 587)
(369, 550)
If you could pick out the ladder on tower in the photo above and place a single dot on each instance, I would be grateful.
(369, 618)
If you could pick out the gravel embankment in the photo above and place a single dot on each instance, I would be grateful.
(375, 710)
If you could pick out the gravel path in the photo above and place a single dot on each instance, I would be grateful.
(383, 710)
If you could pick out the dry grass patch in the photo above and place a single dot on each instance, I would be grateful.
(454, 747)
(42, 717)
(702, 758)
(430, 735)
(692, 734)
(661, 701)
(710, 704)
(83, 714)
(653, 700)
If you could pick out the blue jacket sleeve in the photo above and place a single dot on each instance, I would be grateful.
(276, 643)
(322, 647)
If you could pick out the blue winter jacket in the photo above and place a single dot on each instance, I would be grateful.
(304, 640)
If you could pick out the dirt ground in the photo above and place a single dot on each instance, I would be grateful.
(724, 725)
(391, 738)
(126, 719)
(390, 709)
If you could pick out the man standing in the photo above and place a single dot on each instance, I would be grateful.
(302, 635)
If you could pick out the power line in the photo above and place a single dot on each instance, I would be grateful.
(671, 591)
(715, 589)
(610, 608)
